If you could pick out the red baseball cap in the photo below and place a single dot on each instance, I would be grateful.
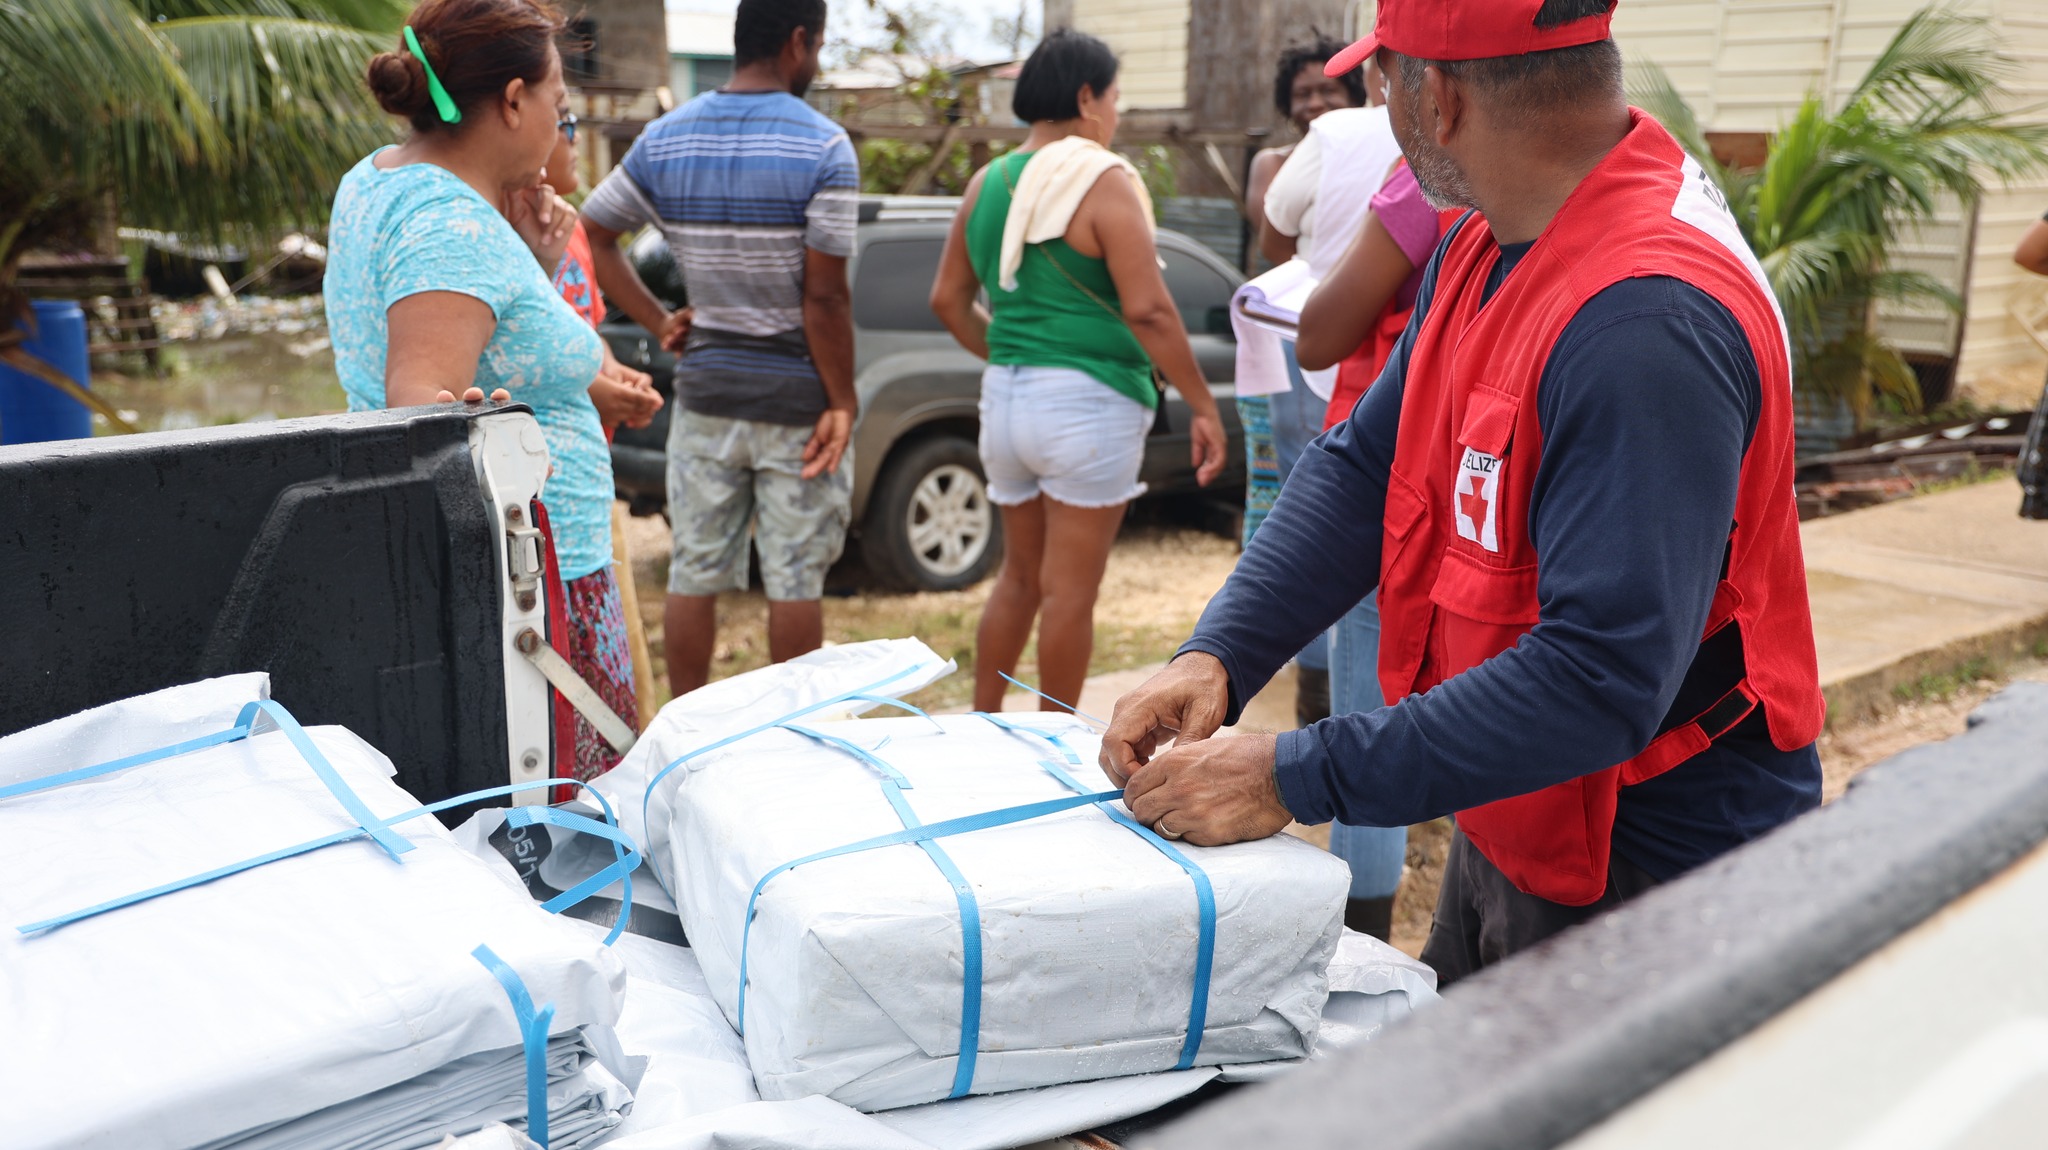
(1466, 30)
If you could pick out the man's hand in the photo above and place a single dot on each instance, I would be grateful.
(675, 330)
(828, 442)
(1186, 701)
(1211, 793)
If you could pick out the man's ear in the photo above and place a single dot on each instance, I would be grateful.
(1443, 102)
(799, 46)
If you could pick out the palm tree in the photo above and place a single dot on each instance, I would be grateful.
(204, 117)
(1826, 208)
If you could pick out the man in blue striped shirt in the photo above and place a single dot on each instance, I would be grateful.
(756, 193)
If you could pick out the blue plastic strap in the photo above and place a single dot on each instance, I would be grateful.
(856, 750)
(80, 774)
(624, 861)
(626, 857)
(1047, 765)
(393, 843)
(966, 824)
(533, 1034)
(893, 786)
(869, 693)
(1071, 708)
(1205, 894)
(245, 724)
(1205, 939)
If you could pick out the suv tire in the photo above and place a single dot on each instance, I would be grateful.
(930, 525)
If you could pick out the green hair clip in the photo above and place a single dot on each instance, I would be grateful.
(442, 103)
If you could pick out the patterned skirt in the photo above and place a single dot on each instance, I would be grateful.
(599, 652)
(1261, 462)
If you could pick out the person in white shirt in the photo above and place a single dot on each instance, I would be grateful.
(1272, 415)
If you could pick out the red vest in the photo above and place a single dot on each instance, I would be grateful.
(1458, 573)
(1357, 371)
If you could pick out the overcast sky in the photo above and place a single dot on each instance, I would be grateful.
(971, 21)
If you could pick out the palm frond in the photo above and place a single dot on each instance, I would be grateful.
(1904, 285)
(1650, 88)
(1938, 53)
(1923, 130)
(93, 102)
(289, 97)
(381, 16)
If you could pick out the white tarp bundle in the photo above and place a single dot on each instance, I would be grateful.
(861, 969)
(698, 1093)
(327, 999)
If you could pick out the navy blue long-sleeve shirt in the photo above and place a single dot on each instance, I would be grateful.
(1646, 404)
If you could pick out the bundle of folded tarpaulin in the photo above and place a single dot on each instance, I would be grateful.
(243, 934)
(219, 929)
(892, 911)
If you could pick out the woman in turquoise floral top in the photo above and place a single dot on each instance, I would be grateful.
(441, 251)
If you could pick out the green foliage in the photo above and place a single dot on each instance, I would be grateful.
(207, 117)
(886, 167)
(1941, 686)
(1827, 207)
(1155, 164)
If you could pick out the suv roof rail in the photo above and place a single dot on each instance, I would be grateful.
(877, 208)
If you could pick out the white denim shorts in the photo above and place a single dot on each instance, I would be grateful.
(1061, 433)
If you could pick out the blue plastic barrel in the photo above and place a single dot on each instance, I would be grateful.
(32, 411)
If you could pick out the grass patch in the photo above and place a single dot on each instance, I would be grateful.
(1941, 686)
(1974, 476)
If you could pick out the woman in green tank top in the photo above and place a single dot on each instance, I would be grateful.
(1077, 321)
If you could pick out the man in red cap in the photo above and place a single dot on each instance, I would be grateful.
(1572, 486)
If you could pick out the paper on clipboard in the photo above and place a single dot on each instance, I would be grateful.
(1274, 300)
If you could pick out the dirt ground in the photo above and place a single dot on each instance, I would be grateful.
(1160, 577)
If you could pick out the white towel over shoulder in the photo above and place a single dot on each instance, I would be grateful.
(1054, 183)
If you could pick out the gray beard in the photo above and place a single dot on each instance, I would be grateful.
(1442, 183)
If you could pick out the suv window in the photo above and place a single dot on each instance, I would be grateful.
(893, 285)
(1197, 290)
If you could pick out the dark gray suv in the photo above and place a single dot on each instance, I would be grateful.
(920, 508)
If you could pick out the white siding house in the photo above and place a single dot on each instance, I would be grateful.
(1746, 64)
(1151, 37)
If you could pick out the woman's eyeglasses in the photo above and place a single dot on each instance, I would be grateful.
(567, 126)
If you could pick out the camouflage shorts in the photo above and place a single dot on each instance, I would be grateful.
(728, 475)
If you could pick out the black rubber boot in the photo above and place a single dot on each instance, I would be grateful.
(1373, 916)
(1311, 695)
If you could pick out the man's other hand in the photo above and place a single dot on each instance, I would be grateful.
(828, 442)
(1210, 793)
(1186, 701)
(675, 331)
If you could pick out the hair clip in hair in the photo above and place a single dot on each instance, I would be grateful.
(443, 104)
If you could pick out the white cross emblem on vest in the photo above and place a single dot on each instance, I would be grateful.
(1476, 497)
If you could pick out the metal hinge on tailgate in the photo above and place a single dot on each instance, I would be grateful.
(524, 558)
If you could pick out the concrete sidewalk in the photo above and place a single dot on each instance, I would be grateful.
(1900, 591)
(1921, 587)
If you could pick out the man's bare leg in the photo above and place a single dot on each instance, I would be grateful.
(795, 626)
(689, 631)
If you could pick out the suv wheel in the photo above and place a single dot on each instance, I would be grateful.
(930, 525)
